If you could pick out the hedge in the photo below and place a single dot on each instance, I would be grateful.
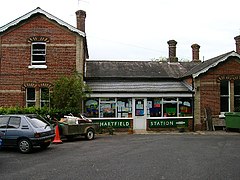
(44, 112)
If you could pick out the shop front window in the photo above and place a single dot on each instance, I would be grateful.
(185, 107)
(92, 108)
(124, 107)
(154, 106)
(169, 107)
(107, 107)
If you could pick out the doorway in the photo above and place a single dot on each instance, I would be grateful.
(139, 113)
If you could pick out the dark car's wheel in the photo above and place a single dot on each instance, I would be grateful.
(45, 145)
(90, 134)
(24, 146)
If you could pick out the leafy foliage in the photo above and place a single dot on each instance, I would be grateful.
(69, 92)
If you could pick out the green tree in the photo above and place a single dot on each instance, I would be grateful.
(69, 92)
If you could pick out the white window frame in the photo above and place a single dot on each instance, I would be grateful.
(30, 101)
(226, 96)
(38, 64)
(44, 101)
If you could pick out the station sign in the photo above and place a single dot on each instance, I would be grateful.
(168, 123)
(120, 123)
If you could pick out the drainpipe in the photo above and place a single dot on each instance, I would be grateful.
(193, 103)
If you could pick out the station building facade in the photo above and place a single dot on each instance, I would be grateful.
(38, 48)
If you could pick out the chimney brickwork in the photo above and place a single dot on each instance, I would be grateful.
(81, 16)
(195, 52)
(237, 39)
(172, 51)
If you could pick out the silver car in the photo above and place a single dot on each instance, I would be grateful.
(25, 132)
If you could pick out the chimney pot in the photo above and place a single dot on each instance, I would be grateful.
(195, 52)
(237, 39)
(81, 16)
(172, 51)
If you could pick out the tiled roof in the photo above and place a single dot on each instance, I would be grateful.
(48, 15)
(206, 65)
(136, 69)
(138, 86)
(151, 69)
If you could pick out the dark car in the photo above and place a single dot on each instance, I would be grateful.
(25, 132)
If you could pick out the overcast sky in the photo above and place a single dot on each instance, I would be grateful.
(140, 29)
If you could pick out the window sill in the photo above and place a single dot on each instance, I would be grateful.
(37, 67)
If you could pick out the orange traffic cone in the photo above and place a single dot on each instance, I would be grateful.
(57, 139)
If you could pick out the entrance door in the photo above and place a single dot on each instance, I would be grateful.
(139, 113)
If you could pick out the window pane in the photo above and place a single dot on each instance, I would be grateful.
(107, 107)
(224, 90)
(91, 108)
(237, 87)
(38, 46)
(224, 104)
(30, 93)
(124, 107)
(170, 109)
(185, 106)
(14, 122)
(108, 110)
(237, 104)
(45, 94)
(38, 53)
(154, 107)
(3, 122)
(37, 123)
(38, 58)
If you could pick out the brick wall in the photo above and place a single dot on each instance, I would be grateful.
(208, 91)
(61, 57)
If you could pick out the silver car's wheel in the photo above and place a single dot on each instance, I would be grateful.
(24, 145)
(90, 134)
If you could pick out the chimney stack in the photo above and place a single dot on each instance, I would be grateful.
(195, 52)
(172, 51)
(237, 39)
(81, 16)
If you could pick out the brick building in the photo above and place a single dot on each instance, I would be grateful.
(36, 49)
(160, 95)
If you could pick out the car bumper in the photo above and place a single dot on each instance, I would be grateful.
(40, 140)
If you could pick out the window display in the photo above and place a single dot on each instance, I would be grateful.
(154, 107)
(109, 107)
(139, 107)
(124, 107)
(169, 107)
(91, 108)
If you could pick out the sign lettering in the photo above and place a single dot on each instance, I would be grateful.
(167, 123)
(114, 123)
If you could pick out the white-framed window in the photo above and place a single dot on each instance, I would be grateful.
(30, 97)
(45, 97)
(38, 53)
(225, 96)
(169, 107)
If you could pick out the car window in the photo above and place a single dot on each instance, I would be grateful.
(3, 121)
(14, 122)
(37, 123)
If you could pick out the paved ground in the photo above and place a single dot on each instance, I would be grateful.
(186, 156)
